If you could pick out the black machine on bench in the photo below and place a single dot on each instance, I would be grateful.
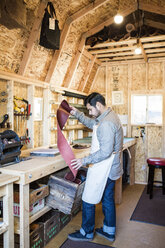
(10, 147)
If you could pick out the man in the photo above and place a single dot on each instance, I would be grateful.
(107, 142)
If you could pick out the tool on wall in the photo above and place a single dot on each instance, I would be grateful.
(2, 124)
(23, 109)
(3, 95)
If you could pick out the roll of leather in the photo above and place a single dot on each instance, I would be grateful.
(62, 144)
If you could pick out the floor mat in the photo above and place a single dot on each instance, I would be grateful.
(85, 244)
(150, 210)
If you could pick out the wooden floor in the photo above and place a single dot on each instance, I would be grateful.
(130, 234)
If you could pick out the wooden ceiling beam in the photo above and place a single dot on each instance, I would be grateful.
(115, 54)
(110, 21)
(125, 42)
(91, 87)
(151, 23)
(153, 38)
(79, 14)
(156, 55)
(111, 44)
(123, 58)
(154, 44)
(111, 50)
(155, 50)
(87, 74)
(151, 8)
(90, 56)
(96, 4)
(72, 69)
(33, 36)
(143, 52)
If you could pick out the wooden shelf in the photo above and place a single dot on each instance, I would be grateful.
(31, 219)
(3, 228)
(72, 127)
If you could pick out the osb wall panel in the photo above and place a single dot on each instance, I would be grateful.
(79, 75)
(155, 146)
(3, 100)
(38, 139)
(66, 8)
(38, 125)
(39, 62)
(117, 80)
(99, 83)
(155, 76)
(140, 158)
(138, 77)
(38, 92)
(11, 48)
(91, 78)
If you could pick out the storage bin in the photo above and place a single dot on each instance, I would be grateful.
(51, 223)
(64, 195)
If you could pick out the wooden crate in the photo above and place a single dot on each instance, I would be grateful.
(64, 219)
(64, 195)
(76, 210)
(51, 222)
(36, 237)
(37, 192)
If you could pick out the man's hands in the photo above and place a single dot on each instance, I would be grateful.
(73, 111)
(76, 163)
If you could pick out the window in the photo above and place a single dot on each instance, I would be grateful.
(146, 109)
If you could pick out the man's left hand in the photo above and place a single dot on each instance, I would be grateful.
(76, 163)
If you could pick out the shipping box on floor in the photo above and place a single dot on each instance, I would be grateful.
(65, 195)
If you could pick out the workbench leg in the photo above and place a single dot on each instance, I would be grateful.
(8, 216)
(24, 216)
(131, 164)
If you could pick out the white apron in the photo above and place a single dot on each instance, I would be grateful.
(97, 175)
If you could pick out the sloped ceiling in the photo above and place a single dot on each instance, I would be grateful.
(78, 19)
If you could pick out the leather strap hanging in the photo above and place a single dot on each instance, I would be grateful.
(62, 144)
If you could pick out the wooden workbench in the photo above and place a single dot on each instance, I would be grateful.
(7, 225)
(29, 171)
(38, 167)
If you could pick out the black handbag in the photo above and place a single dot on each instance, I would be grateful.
(50, 32)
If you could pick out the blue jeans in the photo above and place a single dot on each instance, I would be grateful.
(108, 208)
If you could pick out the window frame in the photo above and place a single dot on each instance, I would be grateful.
(146, 95)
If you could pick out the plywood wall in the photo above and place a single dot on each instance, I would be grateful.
(137, 78)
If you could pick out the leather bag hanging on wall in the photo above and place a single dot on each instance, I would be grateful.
(50, 32)
(13, 13)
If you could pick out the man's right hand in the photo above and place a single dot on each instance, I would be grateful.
(73, 111)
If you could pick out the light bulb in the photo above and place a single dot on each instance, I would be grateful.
(138, 50)
(118, 19)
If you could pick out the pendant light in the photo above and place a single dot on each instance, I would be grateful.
(138, 49)
(118, 17)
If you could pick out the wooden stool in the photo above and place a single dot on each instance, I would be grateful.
(7, 225)
(155, 163)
